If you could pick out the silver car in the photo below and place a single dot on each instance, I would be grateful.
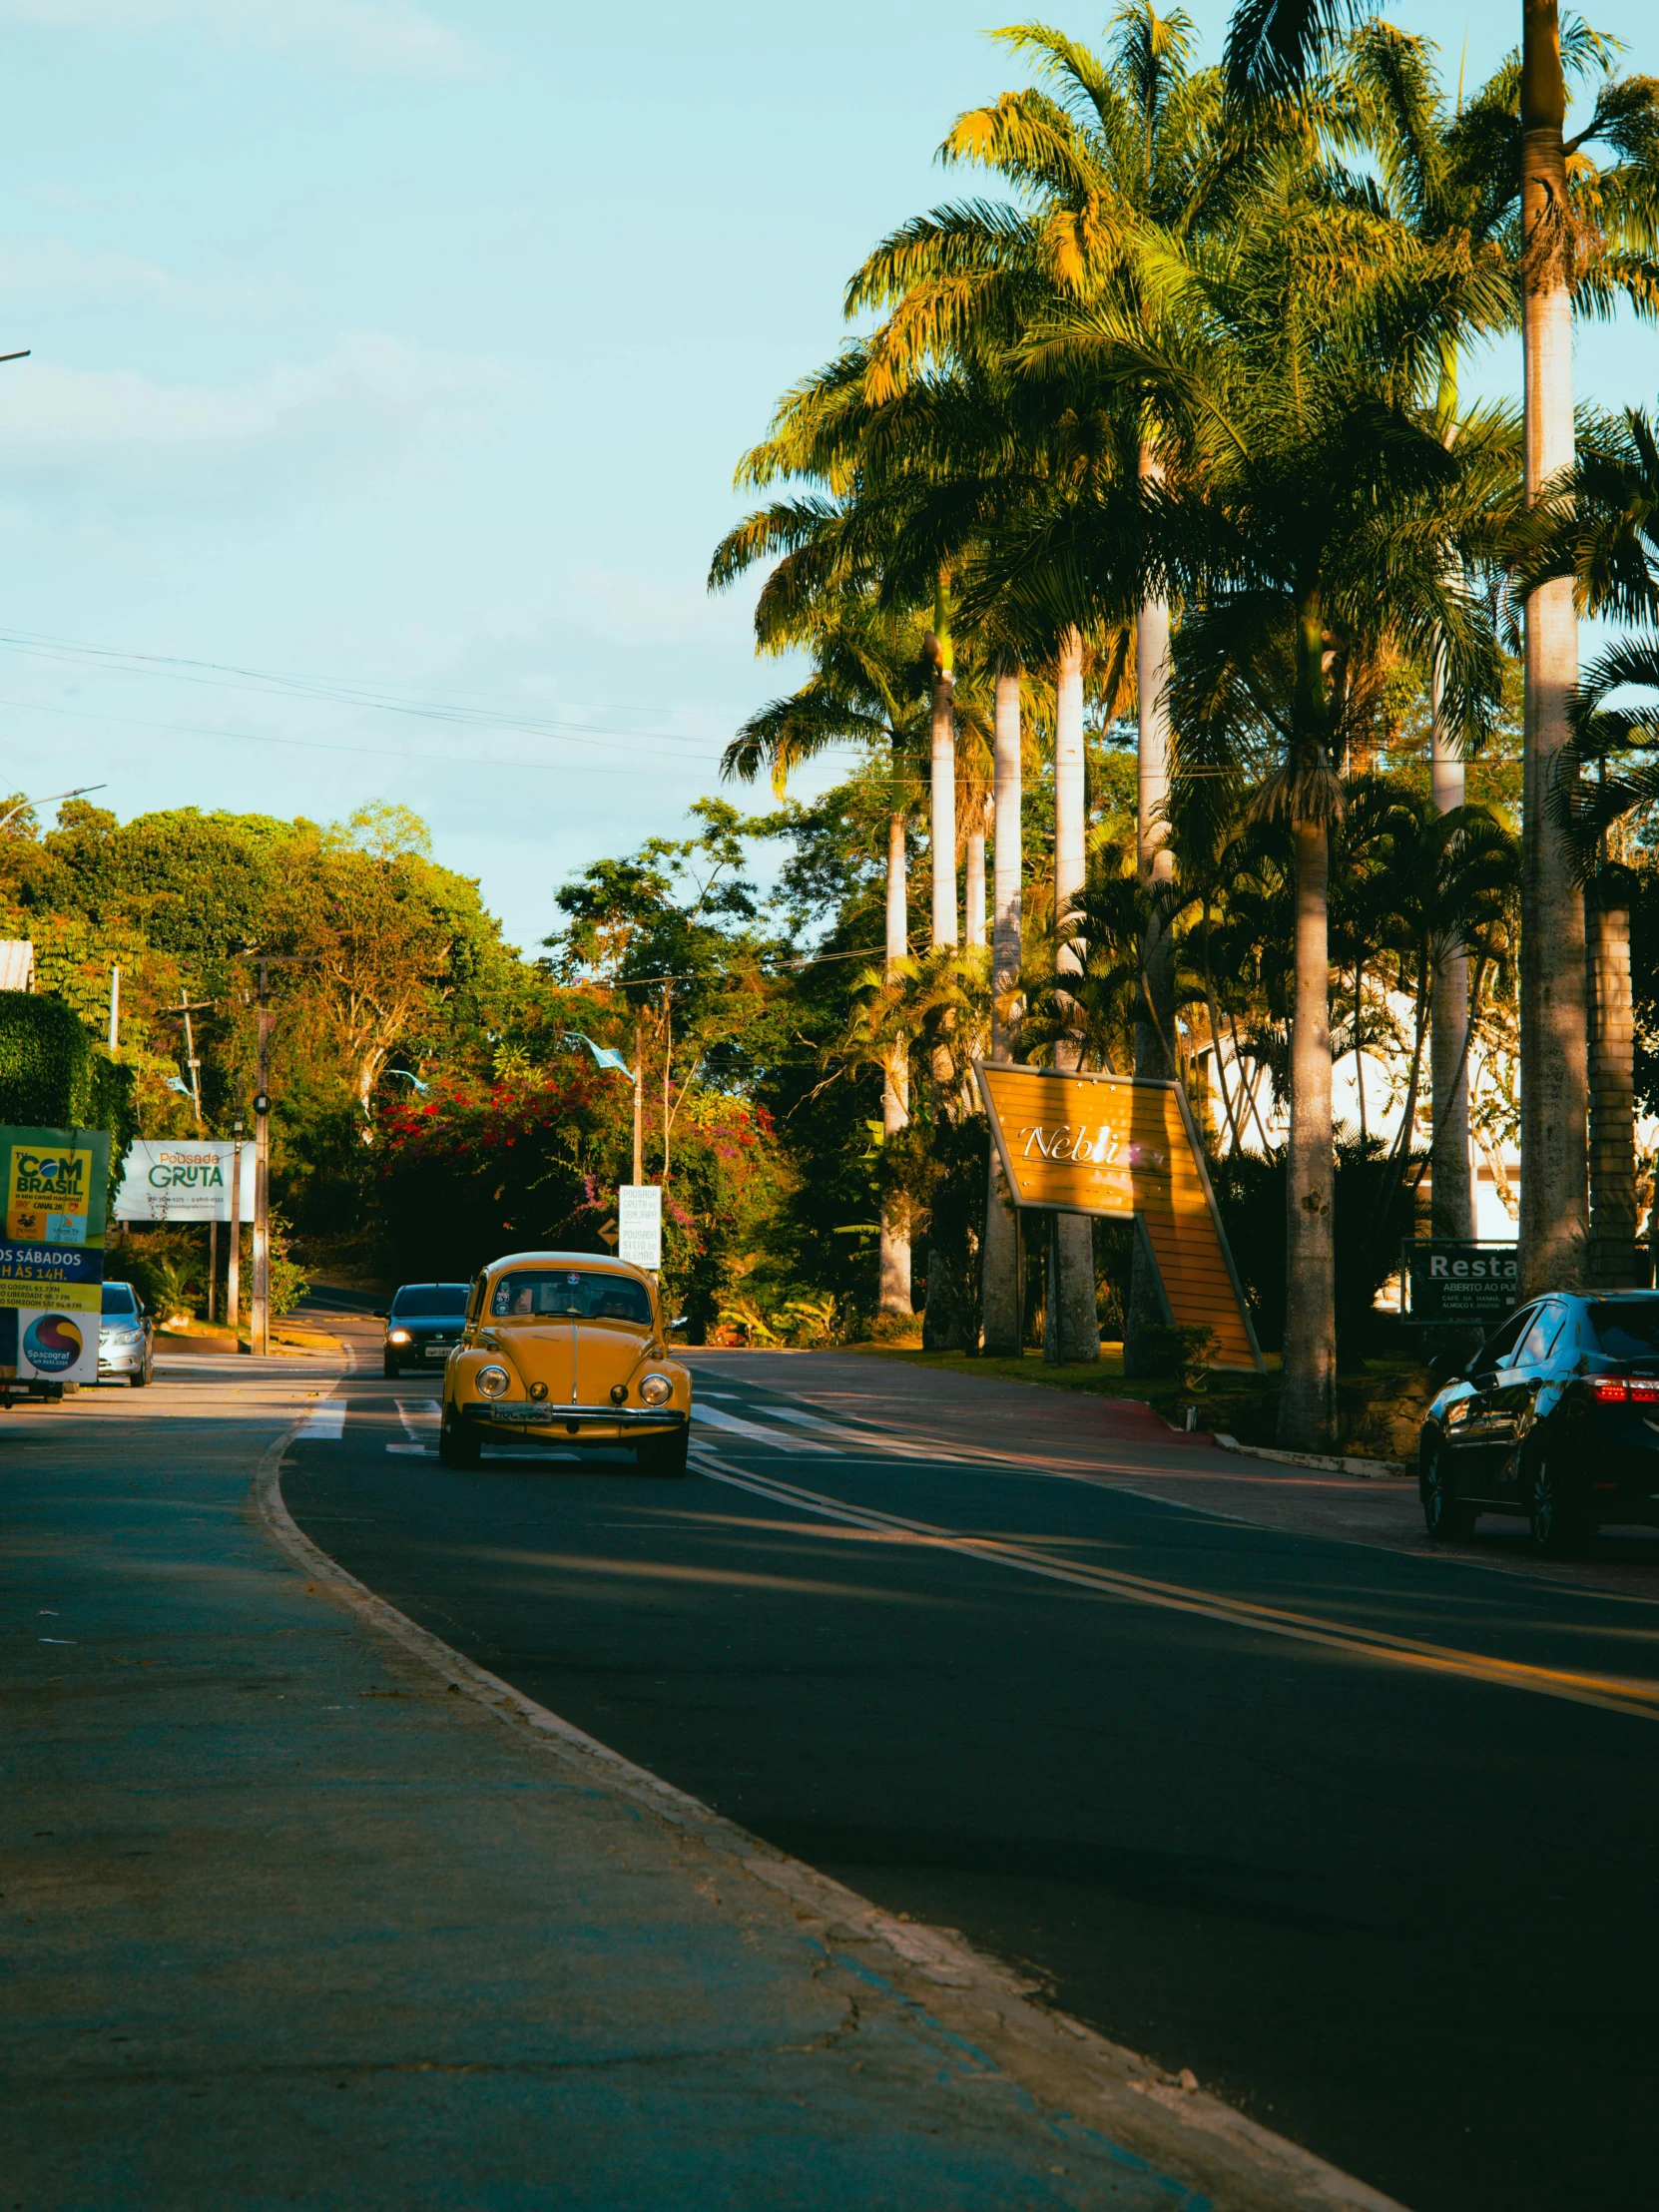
(125, 1337)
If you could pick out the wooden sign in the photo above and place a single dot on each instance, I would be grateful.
(1125, 1148)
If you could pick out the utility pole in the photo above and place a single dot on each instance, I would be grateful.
(233, 1271)
(260, 1320)
(185, 1009)
(639, 1099)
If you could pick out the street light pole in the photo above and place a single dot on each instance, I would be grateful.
(260, 1320)
(233, 1271)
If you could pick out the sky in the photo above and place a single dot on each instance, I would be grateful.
(389, 365)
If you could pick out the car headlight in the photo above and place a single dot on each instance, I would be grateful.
(121, 1336)
(493, 1381)
(397, 1335)
(656, 1389)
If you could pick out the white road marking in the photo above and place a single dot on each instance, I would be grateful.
(325, 1424)
(414, 1451)
(847, 1442)
(863, 1437)
(420, 1416)
(753, 1432)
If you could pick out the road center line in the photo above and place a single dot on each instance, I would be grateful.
(1613, 1693)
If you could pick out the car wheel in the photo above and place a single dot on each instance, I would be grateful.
(1444, 1515)
(391, 1367)
(663, 1454)
(459, 1445)
(1553, 1528)
(139, 1380)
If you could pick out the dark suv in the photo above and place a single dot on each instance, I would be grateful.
(1556, 1417)
(422, 1321)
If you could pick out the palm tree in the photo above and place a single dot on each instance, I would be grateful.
(1597, 530)
(1306, 524)
(1273, 48)
(1120, 139)
(865, 687)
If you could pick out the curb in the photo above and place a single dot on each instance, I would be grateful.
(1369, 1470)
(1165, 2119)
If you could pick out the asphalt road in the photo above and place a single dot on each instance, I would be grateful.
(1369, 1841)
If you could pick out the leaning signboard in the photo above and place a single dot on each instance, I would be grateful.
(1451, 1282)
(1124, 1147)
(52, 1256)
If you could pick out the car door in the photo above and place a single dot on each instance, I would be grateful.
(1514, 1398)
(1471, 1421)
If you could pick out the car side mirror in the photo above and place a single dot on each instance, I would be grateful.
(1446, 1367)
(380, 1312)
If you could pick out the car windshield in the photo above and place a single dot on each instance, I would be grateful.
(421, 1301)
(119, 1299)
(577, 1291)
(1628, 1329)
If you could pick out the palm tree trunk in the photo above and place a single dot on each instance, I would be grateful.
(1154, 1039)
(1155, 1034)
(894, 1288)
(1452, 1188)
(974, 889)
(999, 1260)
(1613, 1089)
(943, 1320)
(942, 798)
(1554, 1077)
(1072, 1332)
(1307, 1405)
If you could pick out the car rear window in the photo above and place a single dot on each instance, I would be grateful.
(1628, 1329)
(582, 1294)
(119, 1299)
(419, 1300)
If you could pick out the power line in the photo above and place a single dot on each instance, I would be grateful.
(367, 751)
(338, 690)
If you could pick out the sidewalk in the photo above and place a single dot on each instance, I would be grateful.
(301, 1909)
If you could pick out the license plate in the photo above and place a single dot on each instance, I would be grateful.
(436, 1352)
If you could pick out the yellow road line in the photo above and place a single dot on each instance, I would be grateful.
(1612, 1693)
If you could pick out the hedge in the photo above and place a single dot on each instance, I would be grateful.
(52, 1077)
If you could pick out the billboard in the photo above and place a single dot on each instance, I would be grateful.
(1125, 1147)
(52, 1258)
(183, 1179)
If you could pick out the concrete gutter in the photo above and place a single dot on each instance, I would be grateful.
(1371, 1470)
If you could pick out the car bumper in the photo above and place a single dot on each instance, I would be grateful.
(120, 1359)
(558, 1424)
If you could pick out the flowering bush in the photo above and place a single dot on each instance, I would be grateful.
(474, 1171)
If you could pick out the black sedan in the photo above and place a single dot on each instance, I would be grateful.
(422, 1321)
(1556, 1417)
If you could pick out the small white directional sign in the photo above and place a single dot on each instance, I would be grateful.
(639, 1220)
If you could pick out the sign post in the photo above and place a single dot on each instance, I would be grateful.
(56, 1183)
(1448, 1283)
(639, 1221)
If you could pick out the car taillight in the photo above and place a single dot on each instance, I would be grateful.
(1621, 1389)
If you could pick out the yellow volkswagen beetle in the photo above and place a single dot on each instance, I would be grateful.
(563, 1348)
